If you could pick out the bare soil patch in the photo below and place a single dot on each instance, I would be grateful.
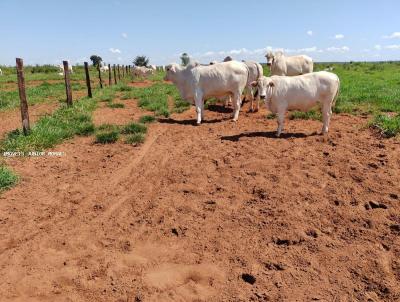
(218, 212)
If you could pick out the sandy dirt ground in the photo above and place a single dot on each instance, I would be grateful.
(218, 212)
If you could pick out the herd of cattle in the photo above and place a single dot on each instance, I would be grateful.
(292, 86)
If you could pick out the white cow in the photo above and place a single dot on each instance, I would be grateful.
(255, 72)
(1, 72)
(61, 67)
(282, 93)
(289, 66)
(141, 71)
(103, 67)
(153, 67)
(197, 83)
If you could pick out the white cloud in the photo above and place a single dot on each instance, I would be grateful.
(338, 49)
(114, 50)
(310, 32)
(392, 47)
(339, 37)
(124, 35)
(395, 35)
(308, 49)
(378, 47)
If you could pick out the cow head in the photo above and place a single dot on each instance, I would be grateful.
(270, 58)
(170, 71)
(264, 86)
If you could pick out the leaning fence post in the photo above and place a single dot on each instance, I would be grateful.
(109, 75)
(100, 79)
(89, 88)
(119, 74)
(22, 96)
(115, 75)
(67, 83)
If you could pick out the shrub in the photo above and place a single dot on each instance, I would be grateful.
(137, 138)
(134, 128)
(107, 137)
(115, 105)
(7, 178)
(146, 119)
(389, 126)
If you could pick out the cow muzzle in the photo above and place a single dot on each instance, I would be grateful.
(262, 97)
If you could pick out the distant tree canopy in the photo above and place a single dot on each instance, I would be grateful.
(185, 59)
(96, 60)
(141, 61)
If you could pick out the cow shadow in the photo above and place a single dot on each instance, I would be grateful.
(189, 122)
(266, 134)
(219, 108)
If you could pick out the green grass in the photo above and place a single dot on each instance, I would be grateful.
(41, 93)
(389, 126)
(7, 178)
(309, 115)
(107, 137)
(134, 128)
(147, 119)
(155, 98)
(51, 130)
(135, 139)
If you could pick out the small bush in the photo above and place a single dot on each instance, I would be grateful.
(137, 138)
(107, 137)
(134, 128)
(108, 127)
(271, 116)
(388, 126)
(146, 119)
(7, 178)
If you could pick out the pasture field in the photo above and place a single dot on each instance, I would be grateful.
(142, 205)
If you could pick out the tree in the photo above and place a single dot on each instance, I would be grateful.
(96, 60)
(185, 59)
(141, 61)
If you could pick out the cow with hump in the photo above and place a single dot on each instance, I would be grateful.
(303, 92)
(197, 83)
(282, 65)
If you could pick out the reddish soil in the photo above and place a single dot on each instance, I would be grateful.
(220, 212)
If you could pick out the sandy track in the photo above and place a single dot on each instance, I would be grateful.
(182, 217)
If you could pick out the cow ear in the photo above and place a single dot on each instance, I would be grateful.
(254, 83)
(271, 84)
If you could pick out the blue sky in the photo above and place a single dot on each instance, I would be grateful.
(47, 31)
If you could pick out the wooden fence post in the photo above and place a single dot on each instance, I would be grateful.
(123, 71)
(126, 70)
(115, 75)
(89, 88)
(67, 83)
(119, 74)
(22, 96)
(109, 75)
(100, 79)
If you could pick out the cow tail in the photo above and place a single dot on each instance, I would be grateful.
(337, 94)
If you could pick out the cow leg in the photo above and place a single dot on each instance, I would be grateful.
(281, 119)
(199, 103)
(326, 117)
(236, 106)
